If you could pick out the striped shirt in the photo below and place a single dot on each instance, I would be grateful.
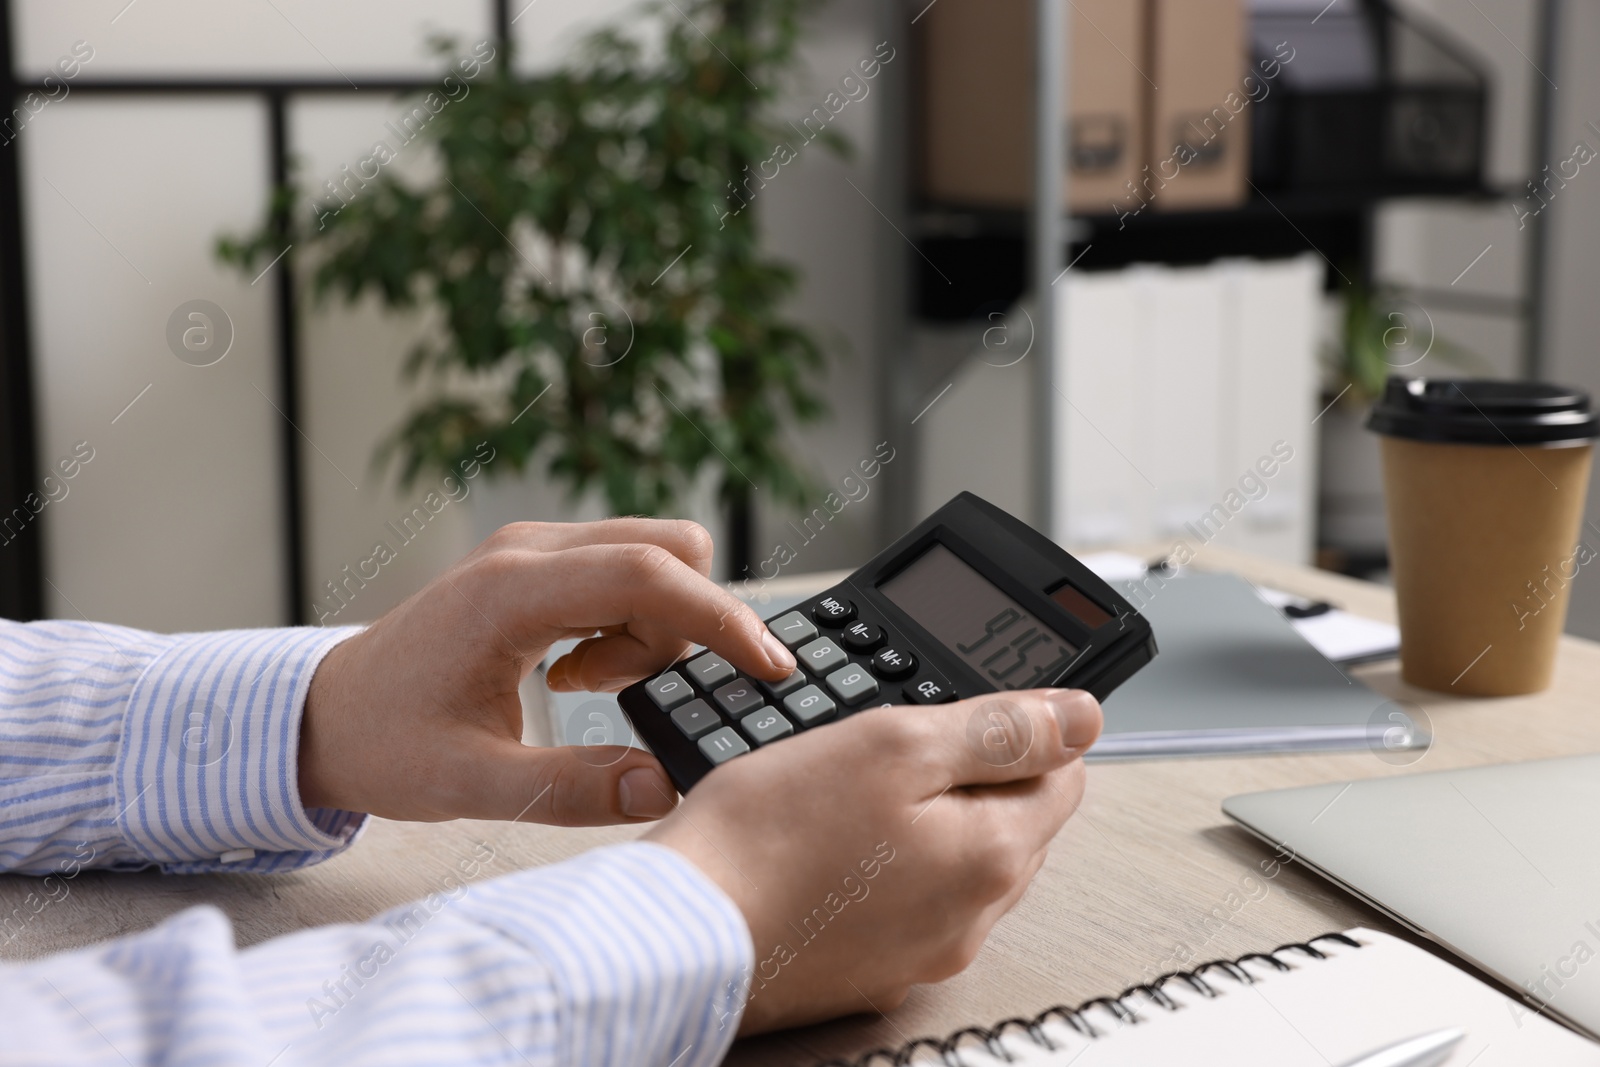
(125, 749)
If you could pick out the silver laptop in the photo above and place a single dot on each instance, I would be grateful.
(1500, 865)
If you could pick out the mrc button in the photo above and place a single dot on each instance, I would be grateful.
(833, 611)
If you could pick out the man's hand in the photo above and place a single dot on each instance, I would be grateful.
(418, 717)
(878, 852)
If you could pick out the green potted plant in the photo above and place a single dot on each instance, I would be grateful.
(1383, 333)
(609, 319)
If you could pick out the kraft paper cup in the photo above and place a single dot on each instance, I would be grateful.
(1485, 484)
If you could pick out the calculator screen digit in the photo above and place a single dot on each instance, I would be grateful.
(979, 624)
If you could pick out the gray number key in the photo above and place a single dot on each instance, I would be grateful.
(710, 670)
(788, 685)
(852, 683)
(821, 656)
(737, 697)
(669, 690)
(722, 745)
(793, 629)
(809, 706)
(695, 719)
(765, 725)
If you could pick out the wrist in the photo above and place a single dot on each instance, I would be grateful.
(321, 784)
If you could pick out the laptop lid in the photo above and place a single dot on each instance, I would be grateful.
(1500, 864)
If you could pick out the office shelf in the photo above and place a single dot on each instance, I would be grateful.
(974, 260)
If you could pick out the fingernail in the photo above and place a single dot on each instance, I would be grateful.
(1078, 715)
(555, 677)
(781, 657)
(644, 794)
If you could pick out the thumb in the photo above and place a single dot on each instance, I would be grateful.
(1013, 735)
(569, 786)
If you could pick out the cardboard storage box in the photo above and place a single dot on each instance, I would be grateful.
(1200, 113)
(1140, 72)
(976, 131)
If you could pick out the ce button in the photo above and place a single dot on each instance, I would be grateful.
(929, 689)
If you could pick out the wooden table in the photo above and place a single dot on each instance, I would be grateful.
(1149, 867)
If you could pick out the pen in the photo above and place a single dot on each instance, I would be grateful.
(1424, 1050)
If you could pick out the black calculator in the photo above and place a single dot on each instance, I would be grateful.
(971, 601)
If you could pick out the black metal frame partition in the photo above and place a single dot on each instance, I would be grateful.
(22, 558)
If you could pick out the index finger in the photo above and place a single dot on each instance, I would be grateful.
(687, 540)
(605, 584)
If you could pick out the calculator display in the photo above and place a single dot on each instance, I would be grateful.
(980, 625)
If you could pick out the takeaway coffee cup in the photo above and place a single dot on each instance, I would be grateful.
(1485, 483)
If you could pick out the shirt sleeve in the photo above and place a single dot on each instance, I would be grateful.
(126, 749)
(627, 955)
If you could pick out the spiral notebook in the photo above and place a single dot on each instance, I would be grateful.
(1323, 1002)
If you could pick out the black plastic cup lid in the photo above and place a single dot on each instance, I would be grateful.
(1483, 411)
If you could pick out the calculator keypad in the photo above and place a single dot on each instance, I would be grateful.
(821, 656)
(846, 663)
(852, 684)
(669, 690)
(738, 697)
(833, 611)
(710, 670)
(722, 745)
(809, 706)
(695, 719)
(781, 689)
(793, 629)
(893, 663)
(862, 636)
(765, 725)
(928, 688)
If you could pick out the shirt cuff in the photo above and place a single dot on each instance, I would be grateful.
(650, 960)
(207, 769)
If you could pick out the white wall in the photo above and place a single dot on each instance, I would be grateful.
(236, 38)
(175, 524)
(829, 230)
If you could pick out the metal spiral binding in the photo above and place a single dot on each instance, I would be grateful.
(988, 1037)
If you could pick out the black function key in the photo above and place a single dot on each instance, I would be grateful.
(833, 611)
(929, 689)
(737, 697)
(765, 725)
(695, 719)
(722, 745)
(862, 637)
(893, 663)
(669, 690)
(710, 670)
